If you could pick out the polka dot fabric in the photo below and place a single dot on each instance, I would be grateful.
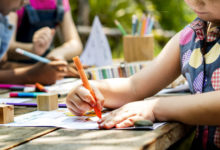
(186, 57)
(201, 66)
(198, 82)
(186, 36)
(216, 79)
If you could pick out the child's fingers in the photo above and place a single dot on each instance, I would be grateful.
(128, 122)
(73, 112)
(41, 42)
(86, 96)
(114, 118)
(47, 36)
(73, 108)
(73, 72)
(81, 106)
(59, 63)
(61, 75)
(53, 31)
(73, 105)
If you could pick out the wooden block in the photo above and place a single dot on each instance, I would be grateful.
(138, 48)
(6, 114)
(47, 102)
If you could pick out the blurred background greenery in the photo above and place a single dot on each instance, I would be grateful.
(170, 15)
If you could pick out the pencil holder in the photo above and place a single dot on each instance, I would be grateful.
(138, 48)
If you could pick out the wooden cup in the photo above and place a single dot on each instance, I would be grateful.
(138, 48)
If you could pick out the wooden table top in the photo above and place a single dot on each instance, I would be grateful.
(55, 138)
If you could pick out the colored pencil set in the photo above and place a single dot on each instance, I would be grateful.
(115, 71)
(143, 27)
(139, 27)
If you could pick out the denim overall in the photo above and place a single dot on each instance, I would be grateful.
(6, 31)
(200, 64)
(34, 20)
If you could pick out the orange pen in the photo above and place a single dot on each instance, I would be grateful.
(86, 83)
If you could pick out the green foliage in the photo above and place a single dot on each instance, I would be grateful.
(173, 14)
(170, 14)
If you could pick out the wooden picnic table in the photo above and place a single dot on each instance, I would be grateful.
(56, 138)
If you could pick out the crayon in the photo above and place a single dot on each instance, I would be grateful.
(86, 83)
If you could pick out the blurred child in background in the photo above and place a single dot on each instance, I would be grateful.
(36, 24)
(43, 73)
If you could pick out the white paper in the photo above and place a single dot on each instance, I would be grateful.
(57, 118)
(61, 118)
(97, 51)
(63, 86)
(179, 88)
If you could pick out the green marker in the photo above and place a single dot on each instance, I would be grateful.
(120, 28)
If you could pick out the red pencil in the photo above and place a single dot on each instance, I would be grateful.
(86, 83)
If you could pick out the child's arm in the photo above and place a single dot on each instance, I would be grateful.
(117, 92)
(72, 45)
(40, 43)
(200, 109)
(43, 73)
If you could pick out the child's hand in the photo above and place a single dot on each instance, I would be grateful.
(128, 114)
(47, 73)
(42, 40)
(72, 70)
(80, 100)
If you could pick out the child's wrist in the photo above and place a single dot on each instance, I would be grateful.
(158, 110)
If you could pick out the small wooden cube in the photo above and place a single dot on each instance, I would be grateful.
(47, 102)
(6, 114)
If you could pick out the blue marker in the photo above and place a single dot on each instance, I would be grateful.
(33, 56)
(26, 94)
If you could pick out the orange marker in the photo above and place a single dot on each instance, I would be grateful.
(40, 87)
(86, 83)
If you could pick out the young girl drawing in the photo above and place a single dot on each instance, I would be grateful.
(194, 52)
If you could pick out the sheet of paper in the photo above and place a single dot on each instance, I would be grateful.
(97, 51)
(180, 88)
(63, 86)
(61, 118)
